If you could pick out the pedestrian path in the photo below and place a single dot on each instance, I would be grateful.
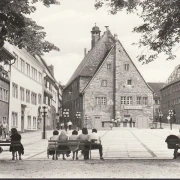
(118, 143)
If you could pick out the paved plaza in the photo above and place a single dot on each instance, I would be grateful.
(119, 143)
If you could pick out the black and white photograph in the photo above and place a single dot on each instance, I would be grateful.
(89, 89)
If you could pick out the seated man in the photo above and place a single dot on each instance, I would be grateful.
(94, 136)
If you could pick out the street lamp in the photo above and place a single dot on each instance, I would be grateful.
(78, 116)
(172, 114)
(44, 111)
(66, 115)
(160, 118)
(86, 119)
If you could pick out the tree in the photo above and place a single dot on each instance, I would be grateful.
(22, 31)
(160, 31)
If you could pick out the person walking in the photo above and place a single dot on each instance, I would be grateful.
(16, 137)
(61, 125)
(69, 125)
(4, 129)
(111, 125)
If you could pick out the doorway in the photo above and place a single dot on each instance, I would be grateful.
(22, 121)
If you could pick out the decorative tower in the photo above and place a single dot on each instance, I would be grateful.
(95, 35)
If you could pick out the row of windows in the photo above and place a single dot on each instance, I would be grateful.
(139, 100)
(104, 82)
(4, 96)
(14, 120)
(126, 67)
(171, 103)
(27, 69)
(22, 95)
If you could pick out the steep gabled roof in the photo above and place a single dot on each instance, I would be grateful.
(156, 86)
(91, 61)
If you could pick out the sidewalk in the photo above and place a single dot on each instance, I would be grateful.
(119, 143)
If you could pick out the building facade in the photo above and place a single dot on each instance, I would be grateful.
(6, 59)
(106, 85)
(170, 96)
(156, 86)
(25, 90)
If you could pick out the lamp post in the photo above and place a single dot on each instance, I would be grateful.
(44, 111)
(86, 118)
(66, 115)
(171, 115)
(160, 118)
(78, 116)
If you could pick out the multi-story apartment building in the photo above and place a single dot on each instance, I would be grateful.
(6, 60)
(156, 86)
(170, 96)
(25, 90)
(107, 85)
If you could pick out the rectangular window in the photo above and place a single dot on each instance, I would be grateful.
(103, 100)
(129, 82)
(29, 122)
(39, 99)
(14, 119)
(34, 122)
(35, 74)
(27, 96)
(16, 60)
(109, 66)
(40, 77)
(98, 100)
(33, 98)
(145, 100)
(4, 94)
(14, 90)
(27, 69)
(22, 65)
(123, 100)
(22, 93)
(32, 72)
(139, 100)
(126, 67)
(104, 83)
(129, 100)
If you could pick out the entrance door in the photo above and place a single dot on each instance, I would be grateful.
(97, 122)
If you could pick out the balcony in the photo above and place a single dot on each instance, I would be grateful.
(4, 74)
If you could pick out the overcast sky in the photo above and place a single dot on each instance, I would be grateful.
(68, 26)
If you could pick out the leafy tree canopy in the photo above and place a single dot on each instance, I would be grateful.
(22, 31)
(160, 31)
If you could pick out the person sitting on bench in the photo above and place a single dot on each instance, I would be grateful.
(95, 138)
(51, 145)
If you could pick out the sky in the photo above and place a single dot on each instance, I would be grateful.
(69, 26)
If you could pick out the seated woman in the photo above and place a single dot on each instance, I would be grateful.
(74, 148)
(17, 138)
(51, 145)
(84, 137)
(64, 148)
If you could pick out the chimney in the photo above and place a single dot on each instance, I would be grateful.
(85, 52)
(116, 37)
(51, 68)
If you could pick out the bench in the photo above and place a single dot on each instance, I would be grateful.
(78, 143)
(10, 143)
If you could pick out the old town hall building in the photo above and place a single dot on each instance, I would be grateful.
(106, 85)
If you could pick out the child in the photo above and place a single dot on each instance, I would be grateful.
(74, 148)
(16, 138)
(51, 145)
